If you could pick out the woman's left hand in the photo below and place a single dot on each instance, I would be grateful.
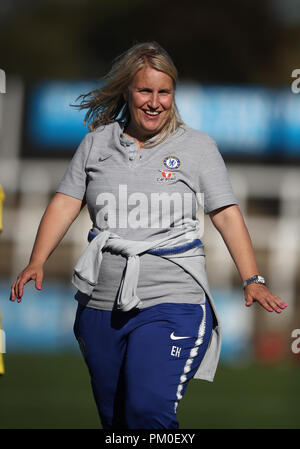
(261, 293)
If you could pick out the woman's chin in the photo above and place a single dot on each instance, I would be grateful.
(152, 129)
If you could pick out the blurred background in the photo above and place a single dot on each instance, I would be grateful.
(239, 72)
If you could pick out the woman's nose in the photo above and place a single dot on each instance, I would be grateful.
(153, 102)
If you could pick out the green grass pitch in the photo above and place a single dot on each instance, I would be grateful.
(53, 392)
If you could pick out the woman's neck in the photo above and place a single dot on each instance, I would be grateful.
(139, 138)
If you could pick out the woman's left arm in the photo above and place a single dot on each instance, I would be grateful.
(231, 225)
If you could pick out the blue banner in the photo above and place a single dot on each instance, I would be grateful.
(243, 120)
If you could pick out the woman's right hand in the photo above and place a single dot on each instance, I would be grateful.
(32, 271)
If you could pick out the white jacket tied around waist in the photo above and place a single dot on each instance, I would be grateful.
(191, 259)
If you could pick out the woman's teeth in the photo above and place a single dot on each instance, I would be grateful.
(151, 113)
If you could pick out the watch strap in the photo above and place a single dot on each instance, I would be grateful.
(257, 279)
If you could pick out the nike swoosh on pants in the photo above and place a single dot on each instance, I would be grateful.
(173, 337)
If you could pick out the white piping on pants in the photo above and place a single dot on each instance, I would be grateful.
(193, 354)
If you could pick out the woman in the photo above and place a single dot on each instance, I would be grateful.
(146, 321)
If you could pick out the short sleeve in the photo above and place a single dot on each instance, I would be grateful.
(214, 181)
(73, 182)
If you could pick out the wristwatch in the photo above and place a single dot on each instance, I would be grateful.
(257, 279)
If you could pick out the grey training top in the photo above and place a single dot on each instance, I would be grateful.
(141, 195)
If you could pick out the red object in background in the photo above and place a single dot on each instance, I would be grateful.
(271, 347)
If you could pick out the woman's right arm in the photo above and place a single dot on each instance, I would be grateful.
(58, 217)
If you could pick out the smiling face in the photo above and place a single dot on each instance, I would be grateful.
(150, 97)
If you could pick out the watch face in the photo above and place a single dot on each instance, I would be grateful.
(261, 279)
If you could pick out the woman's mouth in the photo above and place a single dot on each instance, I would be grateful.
(151, 114)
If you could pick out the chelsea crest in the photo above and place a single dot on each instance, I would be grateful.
(172, 162)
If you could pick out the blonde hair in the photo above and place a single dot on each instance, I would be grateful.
(107, 104)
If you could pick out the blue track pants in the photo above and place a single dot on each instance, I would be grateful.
(140, 361)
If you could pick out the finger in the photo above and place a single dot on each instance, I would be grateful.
(249, 301)
(39, 282)
(276, 307)
(13, 292)
(279, 302)
(20, 290)
(264, 297)
(267, 306)
(17, 288)
(23, 280)
(267, 299)
(264, 303)
(276, 303)
(19, 296)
